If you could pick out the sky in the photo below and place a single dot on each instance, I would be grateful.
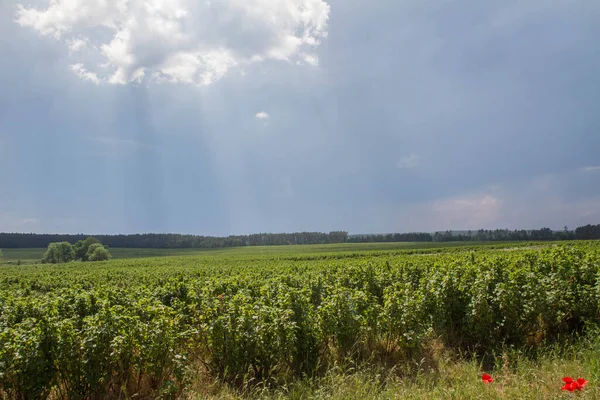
(218, 117)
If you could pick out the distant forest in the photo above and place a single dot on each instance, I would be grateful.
(178, 241)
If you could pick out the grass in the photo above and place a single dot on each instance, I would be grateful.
(33, 255)
(25, 255)
(516, 376)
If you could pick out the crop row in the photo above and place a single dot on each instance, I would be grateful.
(147, 327)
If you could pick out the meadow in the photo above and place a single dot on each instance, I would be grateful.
(334, 321)
(34, 255)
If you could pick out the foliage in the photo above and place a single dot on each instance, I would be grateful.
(588, 232)
(97, 252)
(82, 248)
(60, 252)
(178, 241)
(89, 249)
(142, 327)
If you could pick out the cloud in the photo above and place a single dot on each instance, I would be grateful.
(548, 200)
(185, 41)
(479, 208)
(591, 169)
(25, 223)
(408, 162)
(29, 221)
(474, 210)
(76, 44)
(11, 222)
(262, 115)
(310, 59)
(84, 74)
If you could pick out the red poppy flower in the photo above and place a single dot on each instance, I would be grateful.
(486, 378)
(568, 384)
(572, 385)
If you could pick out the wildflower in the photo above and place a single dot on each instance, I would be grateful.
(572, 385)
(486, 378)
(569, 385)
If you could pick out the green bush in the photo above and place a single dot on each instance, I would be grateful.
(82, 248)
(60, 252)
(97, 252)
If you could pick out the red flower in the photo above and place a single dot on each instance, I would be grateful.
(572, 385)
(486, 378)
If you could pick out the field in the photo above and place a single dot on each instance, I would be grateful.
(347, 321)
(34, 255)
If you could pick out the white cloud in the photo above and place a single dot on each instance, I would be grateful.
(84, 74)
(591, 169)
(187, 41)
(15, 221)
(482, 208)
(76, 44)
(550, 200)
(544, 201)
(310, 59)
(473, 210)
(29, 221)
(408, 162)
(262, 115)
(12, 222)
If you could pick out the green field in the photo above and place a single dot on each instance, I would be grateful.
(333, 321)
(33, 255)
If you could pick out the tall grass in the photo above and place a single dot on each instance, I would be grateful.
(518, 374)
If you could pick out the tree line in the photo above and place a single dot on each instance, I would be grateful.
(588, 232)
(175, 241)
(391, 237)
(505, 235)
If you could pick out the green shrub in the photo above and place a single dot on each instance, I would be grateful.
(59, 252)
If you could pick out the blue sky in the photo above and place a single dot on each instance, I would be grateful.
(228, 116)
